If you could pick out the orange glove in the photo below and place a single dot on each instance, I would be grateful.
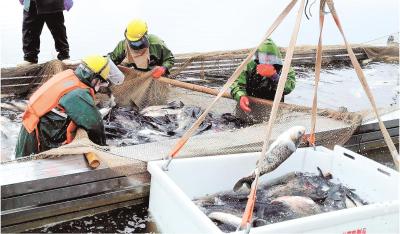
(244, 104)
(158, 71)
(266, 70)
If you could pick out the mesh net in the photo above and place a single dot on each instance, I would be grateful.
(26, 79)
(386, 48)
(333, 127)
(211, 70)
(391, 39)
(82, 145)
(139, 90)
(386, 54)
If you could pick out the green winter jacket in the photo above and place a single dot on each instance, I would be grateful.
(249, 83)
(160, 55)
(79, 107)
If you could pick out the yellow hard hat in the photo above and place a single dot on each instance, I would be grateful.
(136, 29)
(98, 64)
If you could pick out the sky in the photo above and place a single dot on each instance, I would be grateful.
(96, 26)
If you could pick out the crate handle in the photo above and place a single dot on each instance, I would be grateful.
(384, 172)
(348, 155)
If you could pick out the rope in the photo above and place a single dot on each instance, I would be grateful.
(278, 95)
(318, 63)
(381, 37)
(363, 81)
(182, 141)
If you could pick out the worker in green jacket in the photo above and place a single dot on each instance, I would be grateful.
(260, 79)
(69, 95)
(143, 51)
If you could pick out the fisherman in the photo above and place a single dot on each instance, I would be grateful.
(36, 13)
(260, 79)
(64, 103)
(143, 51)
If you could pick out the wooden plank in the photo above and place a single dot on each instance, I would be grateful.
(371, 145)
(371, 136)
(327, 50)
(64, 193)
(210, 63)
(14, 217)
(17, 80)
(35, 176)
(236, 62)
(231, 67)
(375, 126)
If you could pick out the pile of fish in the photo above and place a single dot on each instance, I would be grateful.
(128, 126)
(291, 196)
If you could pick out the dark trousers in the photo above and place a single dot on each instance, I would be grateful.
(32, 28)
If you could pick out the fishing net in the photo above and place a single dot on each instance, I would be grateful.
(140, 90)
(333, 127)
(385, 48)
(386, 53)
(82, 145)
(24, 80)
(211, 70)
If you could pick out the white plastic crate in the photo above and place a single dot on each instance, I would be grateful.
(171, 192)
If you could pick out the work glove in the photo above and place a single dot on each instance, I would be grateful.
(244, 103)
(68, 4)
(158, 71)
(267, 70)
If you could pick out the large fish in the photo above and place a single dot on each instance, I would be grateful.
(278, 210)
(291, 196)
(281, 149)
(304, 184)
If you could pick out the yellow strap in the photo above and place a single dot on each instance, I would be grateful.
(275, 106)
(229, 82)
(361, 77)
(318, 62)
(248, 212)
(282, 79)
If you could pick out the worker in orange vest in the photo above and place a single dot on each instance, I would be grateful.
(64, 103)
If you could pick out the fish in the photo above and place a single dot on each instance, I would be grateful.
(157, 123)
(232, 221)
(172, 108)
(175, 118)
(299, 205)
(341, 197)
(280, 209)
(105, 111)
(290, 196)
(299, 184)
(188, 116)
(280, 150)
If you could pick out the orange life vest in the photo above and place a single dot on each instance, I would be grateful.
(48, 96)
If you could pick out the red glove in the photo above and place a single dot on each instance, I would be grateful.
(244, 104)
(266, 70)
(158, 71)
